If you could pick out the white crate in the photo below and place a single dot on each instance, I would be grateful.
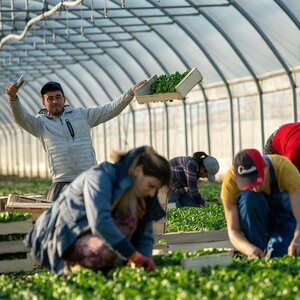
(195, 240)
(182, 89)
(17, 265)
(211, 260)
(16, 246)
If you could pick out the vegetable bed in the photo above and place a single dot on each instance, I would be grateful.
(243, 279)
(258, 279)
(209, 217)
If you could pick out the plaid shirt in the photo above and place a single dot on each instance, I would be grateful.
(185, 175)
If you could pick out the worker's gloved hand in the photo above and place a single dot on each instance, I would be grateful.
(141, 261)
(149, 264)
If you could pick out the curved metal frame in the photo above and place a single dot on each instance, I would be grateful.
(145, 26)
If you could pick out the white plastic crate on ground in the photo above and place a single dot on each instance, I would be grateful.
(211, 260)
(195, 240)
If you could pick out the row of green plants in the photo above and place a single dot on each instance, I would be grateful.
(23, 186)
(209, 217)
(243, 279)
(257, 279)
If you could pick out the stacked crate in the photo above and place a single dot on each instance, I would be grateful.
(9, 246)
(31, 204)
(195, 240)
(159, 227)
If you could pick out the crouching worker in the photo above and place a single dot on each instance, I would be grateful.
(186, 171)
(104, 217)
(261, 197)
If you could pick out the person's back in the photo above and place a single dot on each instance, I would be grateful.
(286, 142)
(182, 167)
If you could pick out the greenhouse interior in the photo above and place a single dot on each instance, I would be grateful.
(240, 60)
(246, 51)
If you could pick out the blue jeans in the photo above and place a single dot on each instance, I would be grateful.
(182, 200)
(267, 221)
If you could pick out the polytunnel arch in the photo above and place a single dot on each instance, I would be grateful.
(111, 43)
(275, 52)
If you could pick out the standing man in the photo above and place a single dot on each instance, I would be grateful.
(186, 171)
(286, 142)
(261, 198)
(65, 132)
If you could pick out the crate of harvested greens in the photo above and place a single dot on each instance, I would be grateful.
(168, 88)
(14, 256)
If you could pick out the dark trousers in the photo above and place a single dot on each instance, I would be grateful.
(267, 221)
(55, 190)
(182, 200)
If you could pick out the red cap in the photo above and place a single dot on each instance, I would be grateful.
(249, 168)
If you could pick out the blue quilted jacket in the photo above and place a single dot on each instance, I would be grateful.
(86, 205)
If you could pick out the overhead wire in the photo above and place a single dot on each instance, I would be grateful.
(38, 18)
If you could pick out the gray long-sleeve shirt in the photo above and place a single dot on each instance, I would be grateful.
(67, 139)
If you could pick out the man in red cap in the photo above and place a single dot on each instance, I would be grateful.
(261, 198)
(286, 142)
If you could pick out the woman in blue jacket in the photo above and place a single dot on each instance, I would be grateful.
(104, 217)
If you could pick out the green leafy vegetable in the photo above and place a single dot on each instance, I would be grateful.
(209, 217)
(167, 84)
(14, 216)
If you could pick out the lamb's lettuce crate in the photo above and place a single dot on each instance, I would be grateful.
(14, 256)
(143, 94)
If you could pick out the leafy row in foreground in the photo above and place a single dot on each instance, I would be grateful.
(258, 279)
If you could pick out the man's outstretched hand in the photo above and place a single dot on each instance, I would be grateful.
(138, 85)
(13, 88)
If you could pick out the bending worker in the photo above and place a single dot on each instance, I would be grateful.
(65, 132)
(261, 197)
(186, 171)
(286, 142)
(104, 217)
